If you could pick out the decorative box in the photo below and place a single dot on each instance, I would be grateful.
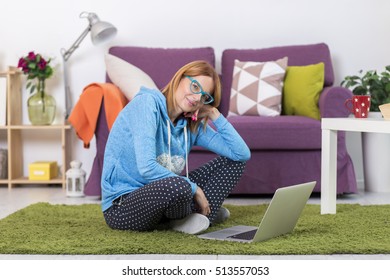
(42, 170)
(385, 110)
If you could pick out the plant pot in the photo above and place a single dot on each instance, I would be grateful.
(41, 109)
(376, 159)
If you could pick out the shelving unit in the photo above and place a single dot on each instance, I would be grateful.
(14, 130)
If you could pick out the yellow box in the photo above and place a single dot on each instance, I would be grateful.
(42, 170)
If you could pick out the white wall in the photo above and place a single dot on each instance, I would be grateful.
(357, 32)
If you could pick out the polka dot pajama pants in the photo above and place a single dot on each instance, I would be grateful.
(171, 198)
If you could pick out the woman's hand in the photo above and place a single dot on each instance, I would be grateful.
(202, 112)
(201, 202)
(208, 111)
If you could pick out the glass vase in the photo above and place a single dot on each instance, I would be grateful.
(41, 108)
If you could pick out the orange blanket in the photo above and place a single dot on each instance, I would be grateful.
(85, 114)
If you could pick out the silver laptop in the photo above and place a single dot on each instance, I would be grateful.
(280, 217)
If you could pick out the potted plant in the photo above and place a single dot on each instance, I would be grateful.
(41, 106)
(375, 165)
(377, 85)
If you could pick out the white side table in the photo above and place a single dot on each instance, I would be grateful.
(330, 126)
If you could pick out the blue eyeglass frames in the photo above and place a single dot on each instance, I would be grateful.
(196, 88)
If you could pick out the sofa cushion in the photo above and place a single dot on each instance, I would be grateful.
(257, 88)
(282, 132)
(298, 55)
(127, 77)
(302, 88)
(161, 63)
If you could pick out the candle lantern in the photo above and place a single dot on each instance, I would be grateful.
(75, 180)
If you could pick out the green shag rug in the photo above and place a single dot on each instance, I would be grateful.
(43, 228)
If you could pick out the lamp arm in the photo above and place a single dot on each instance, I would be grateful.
(67, 53)
(68, 93)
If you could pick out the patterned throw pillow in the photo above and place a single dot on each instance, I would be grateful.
(257, 87)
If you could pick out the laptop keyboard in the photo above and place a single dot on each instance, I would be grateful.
(248, 235)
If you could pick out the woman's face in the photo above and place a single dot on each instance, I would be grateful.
(186, 100)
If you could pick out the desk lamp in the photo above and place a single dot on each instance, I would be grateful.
(100, 31)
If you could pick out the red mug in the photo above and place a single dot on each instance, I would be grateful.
(359, 105)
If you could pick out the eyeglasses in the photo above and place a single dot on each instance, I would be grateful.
(196, 88)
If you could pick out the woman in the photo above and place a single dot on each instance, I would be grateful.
(148, 148)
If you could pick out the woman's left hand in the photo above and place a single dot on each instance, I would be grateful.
(202, 202)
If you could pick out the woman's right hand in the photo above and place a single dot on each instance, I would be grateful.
(202, 202)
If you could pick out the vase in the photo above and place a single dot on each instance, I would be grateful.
(41, 108)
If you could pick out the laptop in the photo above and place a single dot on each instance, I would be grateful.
(280, 218)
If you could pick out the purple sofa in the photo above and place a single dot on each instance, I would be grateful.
(285, 150)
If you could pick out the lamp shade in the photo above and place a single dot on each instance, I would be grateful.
(102, 31)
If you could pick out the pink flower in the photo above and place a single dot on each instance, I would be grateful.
(42, 64)
(31, 56)
(22, 62)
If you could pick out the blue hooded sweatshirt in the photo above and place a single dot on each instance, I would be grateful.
(144, 145)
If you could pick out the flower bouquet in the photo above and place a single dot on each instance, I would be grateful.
(41, 107)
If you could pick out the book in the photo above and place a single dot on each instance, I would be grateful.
(3, 101)
(3, 164)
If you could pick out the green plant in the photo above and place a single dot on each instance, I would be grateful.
(377, 85)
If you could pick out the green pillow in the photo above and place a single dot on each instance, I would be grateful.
(302, 88)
